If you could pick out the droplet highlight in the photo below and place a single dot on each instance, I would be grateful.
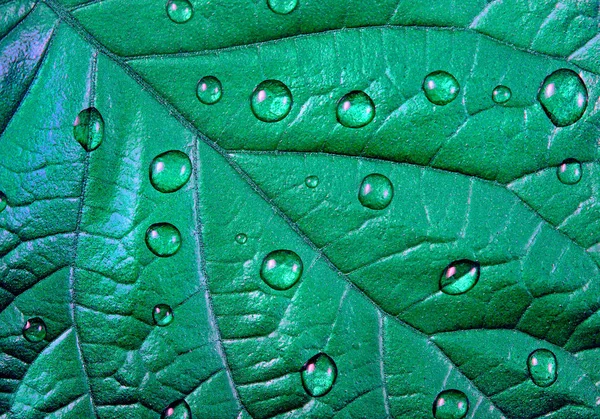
(163, 239)
(241, 238)
(282, 7)
(209, 90)
(459, 277)
(271, 101)
(34, 330)
(569, 172)
(169, 171)
(162, 314)
(311, 181)
(177, 410)
(3, 201)
(501, 94)
(440, 87)
(281, 269)
(376, 191)
(88, 129)
(318, 375)
(542, 367)
(355, 109)
(450, 404)
(563, 97)
(180, 11)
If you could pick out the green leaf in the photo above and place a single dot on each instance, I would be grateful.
(154, 284)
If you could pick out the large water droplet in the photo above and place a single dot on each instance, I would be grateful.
(569, 172)
(162, 315)
(34, 330)
(318, 375)
(3, 201)
(281, 269)
(163, 239)
(542, 367)
(440, 87)
(180, 11)
(376, 191)
(450, 404)
(169, 171)
(311, 181)
(563, 97)
(209, 90)
(177, 410)
(271, 101)
(88, 129)
(282, 7)
(501, 94)
(459, 277)
(241, 238)
(355, 109)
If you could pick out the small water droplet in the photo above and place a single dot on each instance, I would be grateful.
(209, 90)
(177, 410)
(318, 375)
(169, 171)
(501, 94)
(440, 87)
(281, 269)
(241, 238)
(282, 7)
(459, 277)
(3, 201)
(88, 129)
(569, 172)
(450, 404)
(542, 367)
(163, 239)
(180, 11)
(34, 330)
(162, 315)
(376, 192)
(355, 109)
(311, 181)
(271, 101)
(563, 97)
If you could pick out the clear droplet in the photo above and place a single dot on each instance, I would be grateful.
(569, 172)
(459, 277)
(450, 404)
(501, 94)
(281, 269)
(169, 171)
(271, 101)
(282, 7)
(209, 90)
(376, 192)
(162, 315)
(241, 238)
(34, 330)
(177, 410)
(311, 181)
(88, 129)
(180, 11)
(3, 201)
(440, 87)
(542, 367)
(318, 375)
(355, 109)
(163, 239)
(563, 97)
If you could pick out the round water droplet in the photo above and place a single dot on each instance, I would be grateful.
(459, 277)
(162, 315)
(311, 181)
(440, 87)
(569, 172)
(450, 404)
(88, 129)
(376, 192)
(180, 11)
(355, 109)
(501, 94)
(241, 238)
(3, 201)
(563, 97)
(281, 269)
(209, 90)
(318, 375)
(542, 367)
(271, 101)
(282, 7)
(177, 410)
(163, 239)
(34, 330)
(169, 171)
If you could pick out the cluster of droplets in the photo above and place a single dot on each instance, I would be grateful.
(181, 11)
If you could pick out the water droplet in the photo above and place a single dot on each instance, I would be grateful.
(311, 181)
(163, 239)
(318, 375)
(542, 367)
(501, 94)
(569, 172)
(3, 201)
(162, 315)
(209, 90)
(177, 410)
(241, 238)
(281, 269)
(88, 129)
(355, 109)
(440, 87)
(180, 11)
(169, 171)
(271, 101)
(282, 7)
(34, 330)
(450, 404)
(459, 277)
(376, 192)
(563, 97)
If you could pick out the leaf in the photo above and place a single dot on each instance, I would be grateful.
(472, 180)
